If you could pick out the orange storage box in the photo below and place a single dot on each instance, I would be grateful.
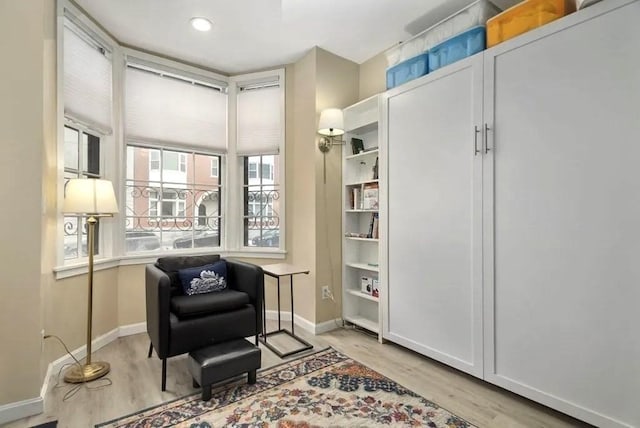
(524, 17)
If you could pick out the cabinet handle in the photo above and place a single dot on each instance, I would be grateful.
(475, 140)
(486, 138)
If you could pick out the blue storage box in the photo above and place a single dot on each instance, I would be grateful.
(458, 47)
(408, 70)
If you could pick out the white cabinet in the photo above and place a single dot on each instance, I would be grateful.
(562, 282)
(362, 195)
(435, 224)
(518, 263)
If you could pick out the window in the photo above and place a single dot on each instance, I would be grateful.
(214, 167)
(253, 170)
(81, 160)
(267, 172)
(154, 160)
(179, 204)
(260, 122)
(86, 94)
(176, 142)
(202, 215)
(174, 194)
(172, 203)
(172, 161)
(261, 196)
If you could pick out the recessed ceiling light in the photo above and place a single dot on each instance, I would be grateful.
(201, 24)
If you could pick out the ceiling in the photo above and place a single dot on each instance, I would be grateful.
(251, 35)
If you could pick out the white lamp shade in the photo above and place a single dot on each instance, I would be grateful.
(89, 196)
(331, 122)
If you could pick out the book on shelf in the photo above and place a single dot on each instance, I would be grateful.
(374, 232)
(373, 226)
(355, 198)
(375, 287)
(370, 196)
(375, 169)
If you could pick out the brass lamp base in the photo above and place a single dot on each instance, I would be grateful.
(87, 372)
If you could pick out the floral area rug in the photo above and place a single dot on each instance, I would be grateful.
(325, 389)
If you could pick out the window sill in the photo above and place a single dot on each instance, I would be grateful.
(82, 268)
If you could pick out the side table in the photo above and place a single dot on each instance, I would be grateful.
(277, 271)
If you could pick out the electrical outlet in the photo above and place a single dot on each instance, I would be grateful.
(326, 293)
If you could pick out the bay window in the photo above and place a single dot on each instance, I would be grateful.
(181, 163)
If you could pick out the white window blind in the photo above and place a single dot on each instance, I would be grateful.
(260, 120)
(87, 82)
(166, 109)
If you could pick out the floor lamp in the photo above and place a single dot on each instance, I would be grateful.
(92, 198)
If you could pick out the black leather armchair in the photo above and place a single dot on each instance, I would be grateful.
(179, 323)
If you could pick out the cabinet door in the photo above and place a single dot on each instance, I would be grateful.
(563, 285)
(434, 222)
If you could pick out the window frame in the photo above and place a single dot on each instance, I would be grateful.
(153, 161)
(252, 172)
(215, 168)
(82, 171)
(264, 204)
(270, 174)
(237, 167)
(68, 12)
(179, 205)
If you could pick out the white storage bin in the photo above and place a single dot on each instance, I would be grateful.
(477, 13)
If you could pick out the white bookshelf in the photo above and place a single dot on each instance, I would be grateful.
(362, 295)
(362, 183)
(362, 322)
(361, 244)
(355, 238)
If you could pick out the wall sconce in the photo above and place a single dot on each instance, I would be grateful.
(330, 126)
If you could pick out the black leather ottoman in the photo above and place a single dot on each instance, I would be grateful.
(222, 361)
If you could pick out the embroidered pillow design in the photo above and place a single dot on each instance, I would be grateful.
(204, 279)
(208, 281)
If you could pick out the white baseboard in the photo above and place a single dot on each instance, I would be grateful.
(326, 326)
(303, 323)
(33, 406)
(128, 330)
(81, 352)
(45, 383)
(21, 409)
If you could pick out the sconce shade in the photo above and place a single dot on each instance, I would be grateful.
(331, 122)
(89, 196)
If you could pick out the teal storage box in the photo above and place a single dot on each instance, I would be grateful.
(408, 70)
(458, 47)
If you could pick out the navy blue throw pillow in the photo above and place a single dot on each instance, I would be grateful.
(204, 279)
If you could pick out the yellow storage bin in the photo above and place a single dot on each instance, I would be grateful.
(524, 17)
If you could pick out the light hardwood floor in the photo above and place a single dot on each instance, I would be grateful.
(136, 385)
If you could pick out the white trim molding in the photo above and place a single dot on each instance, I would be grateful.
(81, 268)
(304, 323)
(21, 409)
(131, 329)
(81, 352)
